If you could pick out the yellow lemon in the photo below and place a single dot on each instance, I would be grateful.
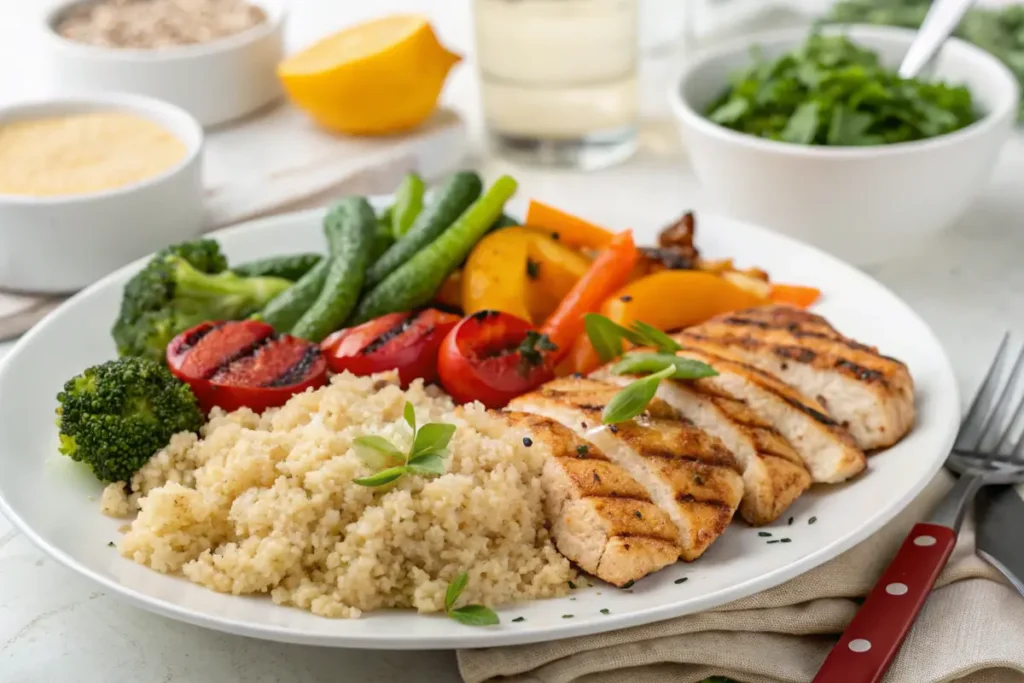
(376, 78)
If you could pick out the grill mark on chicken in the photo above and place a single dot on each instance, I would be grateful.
(797, 353)
(862, 373)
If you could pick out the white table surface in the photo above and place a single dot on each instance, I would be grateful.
(55, 626)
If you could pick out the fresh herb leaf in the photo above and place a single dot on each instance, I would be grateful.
(474, 615)
(606, 336)
(605, 610)
(643, 363)
(455, 589)
(410, 416)
(656, 337)
(376, 451)
(633, 399)
(427, 463)
(518, 619)
(532, 349)
(730, 111)
(802, 126)
(432, 438)
(383, 477)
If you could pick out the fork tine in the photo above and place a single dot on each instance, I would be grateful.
(973, 422)
(1002, 407)
(1008, 432)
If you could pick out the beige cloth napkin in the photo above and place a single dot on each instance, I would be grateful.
(971, 629)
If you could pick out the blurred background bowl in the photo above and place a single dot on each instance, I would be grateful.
(215, 82)
(860, 203)
(58, 244)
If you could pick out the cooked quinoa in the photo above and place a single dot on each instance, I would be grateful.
(266, 504)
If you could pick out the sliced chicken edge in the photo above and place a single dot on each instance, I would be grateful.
(871, 394)
(827, 450)
(600, 517)
(699, 522)
(772, 480)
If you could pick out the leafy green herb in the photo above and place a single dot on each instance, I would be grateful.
(606, 611)
(425, 457)
(763, 533)
(470, 615)
(812, 520)
(532, 349)
(643, 362)
(633, 399)
(607, 336)
(518, 619)
(830, 91)
(568, 616)
(682, 580)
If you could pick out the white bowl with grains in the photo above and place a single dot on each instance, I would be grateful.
(89, 184)
(216, 59)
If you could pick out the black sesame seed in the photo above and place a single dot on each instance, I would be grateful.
(786, 540)
(790, 521)
(613, 429)
(110, 545)
(567, 616)
(625, 299)
(763, 533)
(582, 450)
(774, 540)
(583, 425)
(606, 611)
(527, 441)
(628, 584)
(636, 513)
(518, 619)
(698, 480)
(812, 520)
(682, 580)
(597, 478)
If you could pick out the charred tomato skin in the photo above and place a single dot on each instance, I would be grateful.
(407, 342)
(480, 360)
(244, 364)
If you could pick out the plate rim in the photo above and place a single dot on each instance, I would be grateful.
(482, 638)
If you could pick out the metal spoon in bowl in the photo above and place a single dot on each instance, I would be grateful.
(940, 22)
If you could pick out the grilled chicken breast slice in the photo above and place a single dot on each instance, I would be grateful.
(687, 473)
(871, 394)
(826, 448)
(600, 517)
(773, 474)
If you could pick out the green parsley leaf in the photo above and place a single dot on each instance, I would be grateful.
(432, 438)
(455, 589)
(383, 477)
(410, 416)
(645, 363)
(474, 615)
(633, 399)
(427, 463)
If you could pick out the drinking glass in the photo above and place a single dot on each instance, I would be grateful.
(558, 79)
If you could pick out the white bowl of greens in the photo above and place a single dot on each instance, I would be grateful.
(805, 136)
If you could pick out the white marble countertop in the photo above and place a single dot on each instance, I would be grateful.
(56, 626)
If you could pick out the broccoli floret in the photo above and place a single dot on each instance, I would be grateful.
(115, 416)
(179, 288)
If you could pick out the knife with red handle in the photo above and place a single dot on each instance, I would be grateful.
(873, 638)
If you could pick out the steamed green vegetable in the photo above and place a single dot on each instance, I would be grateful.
(415, 281)
(182, 286)
(115, 416)
(351, 235)
(408, 204)
(830, 91)
(290, 267)
(452, 199)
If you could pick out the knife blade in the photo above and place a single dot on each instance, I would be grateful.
(1000, 513)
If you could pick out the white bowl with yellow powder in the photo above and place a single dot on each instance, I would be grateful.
(90, 184)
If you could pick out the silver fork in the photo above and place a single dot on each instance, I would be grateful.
(985, 452)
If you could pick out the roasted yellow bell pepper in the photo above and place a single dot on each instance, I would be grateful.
(520, 271)
(673, 299)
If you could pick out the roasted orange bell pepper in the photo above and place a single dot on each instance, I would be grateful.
(571, 231)
(609, 271)
(494, 277)
(553, 269)
(673, 299)
(797, 295)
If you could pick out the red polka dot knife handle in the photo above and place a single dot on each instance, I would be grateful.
(873, 638)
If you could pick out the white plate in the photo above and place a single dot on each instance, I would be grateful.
(55, 501)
